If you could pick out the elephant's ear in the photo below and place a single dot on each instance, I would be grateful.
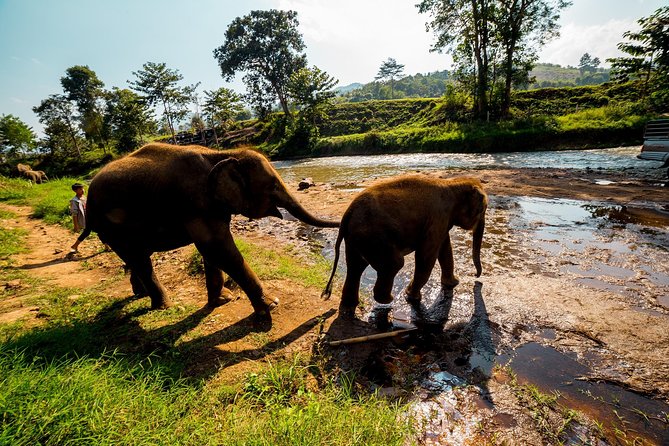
(226, 184)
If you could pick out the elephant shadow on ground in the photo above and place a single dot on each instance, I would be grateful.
(175, 348)
(462, 348)
(202, 356)
(29, 266)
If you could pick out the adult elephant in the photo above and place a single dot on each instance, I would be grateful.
(162, 197)
(395, 217)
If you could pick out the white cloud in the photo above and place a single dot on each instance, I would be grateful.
(35, 61)
(597, 40)
(359, 35)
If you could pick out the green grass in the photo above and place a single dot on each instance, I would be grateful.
(49, 201)
(110, 400)
(588, 128)
(274, 264)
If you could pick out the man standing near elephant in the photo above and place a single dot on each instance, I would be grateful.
(78, 212)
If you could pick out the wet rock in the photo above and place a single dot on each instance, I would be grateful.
(305, 183)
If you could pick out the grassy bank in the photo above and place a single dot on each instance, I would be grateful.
(585, 117)
(49, 201)
(591, 128)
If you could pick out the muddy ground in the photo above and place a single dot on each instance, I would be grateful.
(573, 298)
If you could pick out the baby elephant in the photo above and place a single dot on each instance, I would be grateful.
(395, 217)
(35, 176)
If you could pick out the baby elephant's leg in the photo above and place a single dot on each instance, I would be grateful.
(387, 264)
(426, 256)
(448, 278)
(355, 266)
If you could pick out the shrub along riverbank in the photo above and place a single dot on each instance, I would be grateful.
(545, 119)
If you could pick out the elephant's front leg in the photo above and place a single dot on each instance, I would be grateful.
(426, 256)
(220, 251)
(448, 278)
(217, 294)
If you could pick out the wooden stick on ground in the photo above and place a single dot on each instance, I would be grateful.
(373, 337)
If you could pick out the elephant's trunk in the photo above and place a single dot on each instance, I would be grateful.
(289, 203)
(476, 244)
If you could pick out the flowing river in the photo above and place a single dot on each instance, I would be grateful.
(356, 168)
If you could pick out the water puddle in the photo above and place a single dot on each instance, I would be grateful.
(615, 248)
(624, 414)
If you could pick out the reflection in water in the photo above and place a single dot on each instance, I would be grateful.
(353, 169)
(617, 408)
(605, 247)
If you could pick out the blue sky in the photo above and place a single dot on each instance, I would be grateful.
(40, 39)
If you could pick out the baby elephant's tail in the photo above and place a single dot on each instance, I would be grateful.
(327, 292)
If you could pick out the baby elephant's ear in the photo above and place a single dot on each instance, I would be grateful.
(226, 184)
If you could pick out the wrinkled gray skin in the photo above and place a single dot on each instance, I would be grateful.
(395, 217)
(162, 197)
(34, 176)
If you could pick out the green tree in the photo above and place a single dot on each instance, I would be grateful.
(647, 56)
(159, 85)
(487, 37)
(520, 27)
(127, 119)
(588, 64)
(82, 86)
(57, 115)
(16, 137)
(463, 28)
(311, 89)
(390, 70)
(267, 46)
(220, 107)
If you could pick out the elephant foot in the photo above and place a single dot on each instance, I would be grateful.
(412, 297)
(225, 297)
(383, 299)
(163, 304)
(450, 283)
(346, 312)
(263, 309)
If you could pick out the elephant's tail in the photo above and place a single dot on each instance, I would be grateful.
(327, 292)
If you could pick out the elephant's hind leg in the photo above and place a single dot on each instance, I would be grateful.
(141, 270)
(387, 264)
(217, 294)
(355, 266)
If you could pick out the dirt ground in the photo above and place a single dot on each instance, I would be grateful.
(527, 296)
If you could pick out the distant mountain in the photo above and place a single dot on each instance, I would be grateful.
(552, 75)
(347, 88)
(428, 85)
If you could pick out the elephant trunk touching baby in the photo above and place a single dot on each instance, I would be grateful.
(410, 213)
(162, 197)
